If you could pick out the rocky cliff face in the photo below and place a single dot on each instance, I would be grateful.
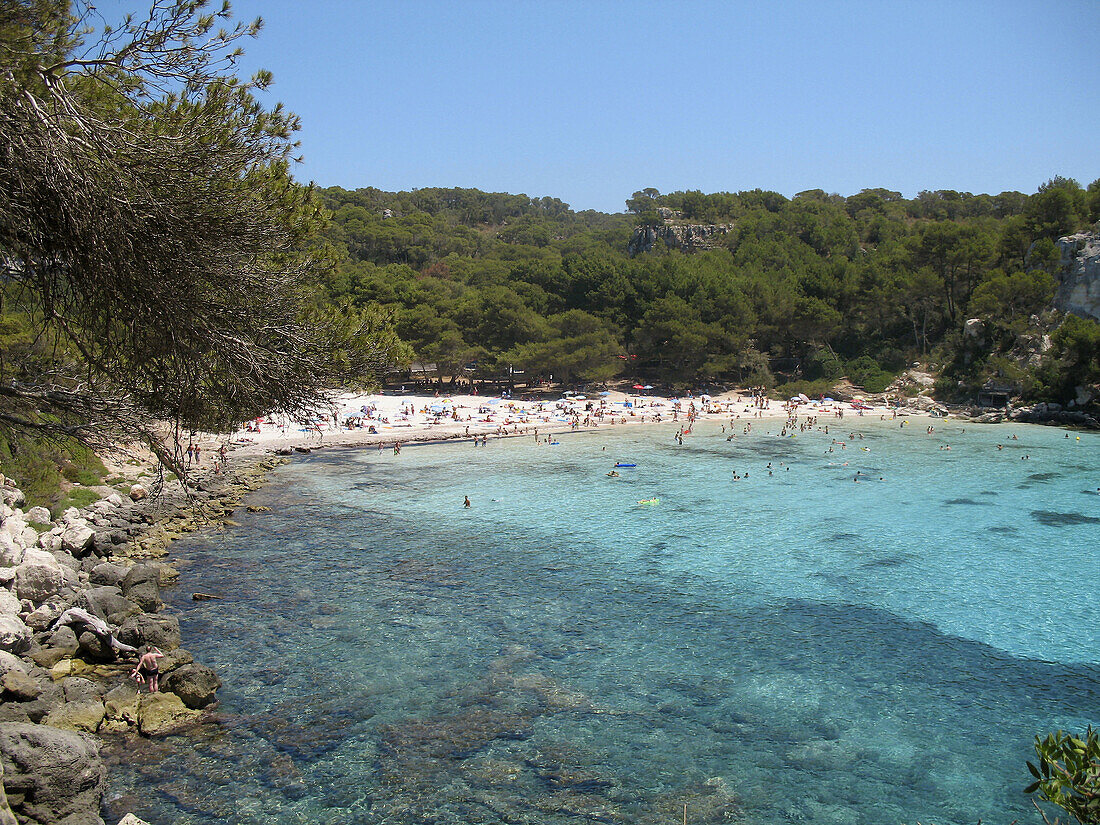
(688, 237)
(1079, 281)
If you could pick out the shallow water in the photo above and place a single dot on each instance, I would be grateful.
(793, 646)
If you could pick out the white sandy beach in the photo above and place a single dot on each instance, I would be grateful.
(360, 420)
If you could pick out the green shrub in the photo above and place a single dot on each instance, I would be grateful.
(77, 497)
(1068, 774)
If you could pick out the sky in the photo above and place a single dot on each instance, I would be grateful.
(591, 101)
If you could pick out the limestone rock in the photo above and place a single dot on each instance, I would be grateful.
(45, 614)
(6, 816)
(54, 773)
(1079, 281)
(77, 539)
(15, 636)
(50, 542)
(161, 631)
(195, 684)
(162, 713)
(20, 686)
(38, 515)
(114, 499)
(9, 662)
(137, 492)
(122, 702)
(129, 819)
(108, 573)
(12, 496)
(9, 604)
(85, 715)
(82, 818)
(38, 577)
(145, 595)
(11, 553)
(108, 603)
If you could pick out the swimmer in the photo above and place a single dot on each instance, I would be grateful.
(612, 474)
(466, 501)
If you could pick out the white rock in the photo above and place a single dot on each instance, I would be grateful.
(114, 499)
(39, 576)
(137, 492)
(11, 553)
(71, 516)
(77, 538)
(39, 515)
(14, 526)
(15, 637)
(50, 542)
(9, 604)
(10, 662)
(29, 537)
(130, 819)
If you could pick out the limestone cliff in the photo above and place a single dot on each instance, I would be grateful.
(1079, 280)
(688, 237)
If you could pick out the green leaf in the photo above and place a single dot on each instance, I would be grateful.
(1034, 770)
(1034, 786)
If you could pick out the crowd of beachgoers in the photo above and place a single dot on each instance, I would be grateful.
(390, 419)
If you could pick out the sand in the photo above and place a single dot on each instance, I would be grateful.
(407, 418)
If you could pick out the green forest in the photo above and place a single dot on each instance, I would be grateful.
(796, 293)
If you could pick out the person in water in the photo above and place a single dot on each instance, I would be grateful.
(466, 501)
(147, 670)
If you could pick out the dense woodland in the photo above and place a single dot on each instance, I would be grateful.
(800, 291)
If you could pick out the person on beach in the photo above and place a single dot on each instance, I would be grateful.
(147, 670)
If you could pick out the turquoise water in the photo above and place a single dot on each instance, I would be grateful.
(793, 647)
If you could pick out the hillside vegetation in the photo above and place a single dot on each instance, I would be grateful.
(801, 291)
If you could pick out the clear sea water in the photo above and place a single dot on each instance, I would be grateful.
(787, 647)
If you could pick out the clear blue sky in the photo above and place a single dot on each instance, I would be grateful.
(590, 101)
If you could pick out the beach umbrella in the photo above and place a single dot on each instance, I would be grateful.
(638, 387)
(647, 387)
(605, 392)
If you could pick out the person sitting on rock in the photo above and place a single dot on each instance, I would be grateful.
(147, 669)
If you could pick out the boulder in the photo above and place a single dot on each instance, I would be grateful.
(9, 604)
(21, 687)
(195, 684)
(114, 499)
(38, 515)
(43, 616)
(15, 636)
(79, 689)
(85, 715)
(161, 631)
(82, 818)
(11, 553)
(145, 595)
(50, 542)
(38, 577)
(107, 602)
(108, 573)
(129, 819)
(54, 773)
(77, 539)
(10, 662)
(121, 703)
(95, 649)
(6, 816)
(163, 713)
(137, 492)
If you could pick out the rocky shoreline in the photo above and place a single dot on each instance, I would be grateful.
(76, 595)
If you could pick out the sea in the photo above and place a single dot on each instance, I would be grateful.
(863, 626)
